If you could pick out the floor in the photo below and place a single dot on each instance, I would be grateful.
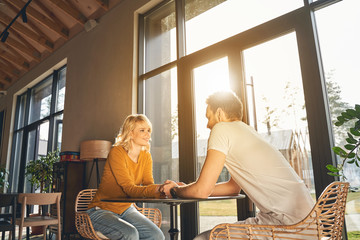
(352, 223)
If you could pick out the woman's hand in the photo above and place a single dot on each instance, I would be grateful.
(168, 184)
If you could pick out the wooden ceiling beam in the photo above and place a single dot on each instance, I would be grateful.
(16, 61)
(104, 4)
(35, 55)
(53, 17)
(34, 28)
(11, 67)
(5, 77)
(18, 56)
(25, 42)
(40, 18)
(70, 10)
(8, 70)
(27, 32)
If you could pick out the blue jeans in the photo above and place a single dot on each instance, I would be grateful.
(130, 225)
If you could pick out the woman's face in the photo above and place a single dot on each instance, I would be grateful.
(141, 134)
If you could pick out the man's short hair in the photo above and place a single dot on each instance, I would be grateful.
(228, 102)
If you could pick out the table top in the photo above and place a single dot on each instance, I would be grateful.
(172, 200)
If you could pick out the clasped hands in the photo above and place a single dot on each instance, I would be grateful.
(164, 188)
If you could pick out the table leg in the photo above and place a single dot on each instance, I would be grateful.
(174, 231)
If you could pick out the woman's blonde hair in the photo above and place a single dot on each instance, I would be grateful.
(123, 138)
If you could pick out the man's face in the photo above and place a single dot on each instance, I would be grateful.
(212, 119)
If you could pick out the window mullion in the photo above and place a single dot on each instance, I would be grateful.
(180, 28)
(54, 97)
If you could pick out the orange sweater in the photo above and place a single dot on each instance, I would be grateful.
(124, 178)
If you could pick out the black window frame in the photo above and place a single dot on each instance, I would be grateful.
(51, 118)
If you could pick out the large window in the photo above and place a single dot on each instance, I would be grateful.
(261, 51)
(38, 125)
(339, 41)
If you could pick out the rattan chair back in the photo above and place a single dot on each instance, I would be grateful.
(82, 220)
(325, 221)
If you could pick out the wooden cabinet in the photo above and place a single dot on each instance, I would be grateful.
(68, 178)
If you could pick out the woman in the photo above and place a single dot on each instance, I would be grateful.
(127, 173)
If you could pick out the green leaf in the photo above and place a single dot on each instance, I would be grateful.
(332, 168)
(351, 140)
(338, 124)
(357, 163)
(350, 136)
(355, 132)
(333, 174)
(349, 146)
(352, 113)
(357, 125)
(345, 115)
(338, 150)
(351, 155)
(341, 119)
(352, 161)
(357, 108)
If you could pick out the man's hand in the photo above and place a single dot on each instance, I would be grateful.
(168, 184)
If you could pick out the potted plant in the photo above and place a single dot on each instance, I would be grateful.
(349, 153)
(3, 180)
(40, 174)
(40, 171)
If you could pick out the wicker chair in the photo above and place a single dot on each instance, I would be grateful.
(82, 220)
(325, 221)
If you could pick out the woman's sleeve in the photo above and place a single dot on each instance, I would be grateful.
(122, 176)
(148, 177)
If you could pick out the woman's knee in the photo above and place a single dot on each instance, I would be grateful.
(130, 234)
(157, 235)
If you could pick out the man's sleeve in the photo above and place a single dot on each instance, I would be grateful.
(218, 139)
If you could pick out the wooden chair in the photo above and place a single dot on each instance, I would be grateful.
(82, 220)
(7, 220)
(325, 221)
(40, 199)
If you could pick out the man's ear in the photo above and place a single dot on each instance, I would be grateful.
(220, 114)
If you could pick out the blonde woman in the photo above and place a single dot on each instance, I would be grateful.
(127, 173)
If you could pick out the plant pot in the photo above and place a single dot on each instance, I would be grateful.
(36, 230)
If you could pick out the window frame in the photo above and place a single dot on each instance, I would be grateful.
(302, 21)
(28, 127)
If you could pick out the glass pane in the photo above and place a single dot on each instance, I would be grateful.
(21, 113)
(18, 136)
(161, 108)
(43, 140)
(2, 121)
(208, 22)
(61, 90)
(160, 37)
(58, 131)
(30, 155)
(340, 50)
(208, 79)
(40, 101)
(276, 101)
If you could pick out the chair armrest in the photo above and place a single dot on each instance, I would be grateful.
(297, 231)
(153, 214)
(84, 226)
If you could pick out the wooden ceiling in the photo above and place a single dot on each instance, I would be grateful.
(50, 23)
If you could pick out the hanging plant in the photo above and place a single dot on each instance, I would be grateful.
(349, 153)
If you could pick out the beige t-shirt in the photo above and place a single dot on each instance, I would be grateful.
(262, 173)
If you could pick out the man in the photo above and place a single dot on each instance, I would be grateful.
(255, 167)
